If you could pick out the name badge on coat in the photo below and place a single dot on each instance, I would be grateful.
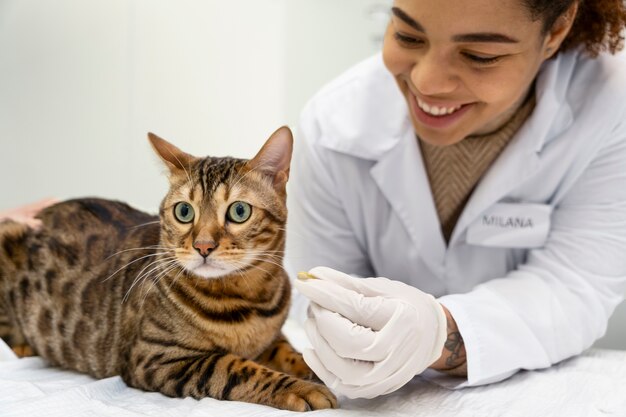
(510, 225)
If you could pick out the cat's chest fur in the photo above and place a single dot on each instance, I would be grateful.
(208, 316)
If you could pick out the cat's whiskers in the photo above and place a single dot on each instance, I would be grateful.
(177, 276)
(160, 276)
(161, 270)
(279, 265)
(132, 262)
(264, 255)
(248, 256)
(242, 266)
(166, 273)
(159, 262)
(152, 247)
(139, 279)
(144, 224)
(274, 256)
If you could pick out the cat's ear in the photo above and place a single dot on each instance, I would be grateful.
(177, 161)
(275, 156)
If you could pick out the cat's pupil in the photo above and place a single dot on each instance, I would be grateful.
(184, 210)
(240, 210)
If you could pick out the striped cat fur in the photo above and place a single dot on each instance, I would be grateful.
(189, 303)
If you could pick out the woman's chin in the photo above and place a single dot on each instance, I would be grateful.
(438, 139)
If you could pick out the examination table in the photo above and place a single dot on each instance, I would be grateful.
(592, 384)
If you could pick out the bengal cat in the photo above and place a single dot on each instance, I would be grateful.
(189, 303)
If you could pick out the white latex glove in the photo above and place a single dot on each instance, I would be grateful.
(370, 335)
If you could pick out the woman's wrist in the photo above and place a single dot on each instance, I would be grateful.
(453, 359)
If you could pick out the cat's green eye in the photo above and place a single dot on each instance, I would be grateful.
(239, 212)
(184, 212)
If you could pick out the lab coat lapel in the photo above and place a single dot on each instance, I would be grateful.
(521, 158)
(401, 176)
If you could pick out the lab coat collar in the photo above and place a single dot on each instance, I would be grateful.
(372, 122)
(401, 177)
(363, 111)
(373, 117)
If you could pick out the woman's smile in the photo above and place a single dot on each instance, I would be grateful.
(437, 116)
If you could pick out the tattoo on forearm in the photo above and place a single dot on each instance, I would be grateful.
(455, 346)
(456, 362)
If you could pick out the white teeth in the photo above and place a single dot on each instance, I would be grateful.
(436, 111)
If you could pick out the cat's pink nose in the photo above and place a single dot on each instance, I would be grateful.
(205, 247)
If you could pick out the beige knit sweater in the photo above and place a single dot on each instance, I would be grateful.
(453, 171)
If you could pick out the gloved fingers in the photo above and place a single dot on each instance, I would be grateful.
(372, 312)
(342, 279)
(350, 369)
(388, 350)
(347, 370)
(314, 362)
(369, 287)
(349, 390)
(347, 339)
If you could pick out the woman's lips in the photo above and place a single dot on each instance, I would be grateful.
(439, 121)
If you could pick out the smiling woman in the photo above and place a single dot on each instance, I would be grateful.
(476, 109)
(458, 81)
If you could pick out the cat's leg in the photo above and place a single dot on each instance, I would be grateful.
(12, 336)
(12, 255)
(281, 356)
(180, 372)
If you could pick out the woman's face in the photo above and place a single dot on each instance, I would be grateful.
(463, 66)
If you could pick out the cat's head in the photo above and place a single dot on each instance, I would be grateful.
(223, 215)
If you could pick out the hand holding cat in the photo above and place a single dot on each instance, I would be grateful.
(370, 335)
(26, 214)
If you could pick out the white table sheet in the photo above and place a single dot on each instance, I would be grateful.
(593, 384)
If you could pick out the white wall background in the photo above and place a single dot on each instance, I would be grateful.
(82, 81)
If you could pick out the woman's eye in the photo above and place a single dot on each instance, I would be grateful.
(184, 212)
(407, 41)
(482, 60)
(239, 212)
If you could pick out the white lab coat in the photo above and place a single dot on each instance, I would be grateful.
(360, 202)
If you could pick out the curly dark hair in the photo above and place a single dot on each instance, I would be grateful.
(599, 24)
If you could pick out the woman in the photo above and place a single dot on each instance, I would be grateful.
(493, 178)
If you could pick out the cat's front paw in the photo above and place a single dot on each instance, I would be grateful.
(305, 396)
(297, 367)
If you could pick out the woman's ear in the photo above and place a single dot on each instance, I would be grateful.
(559, 30)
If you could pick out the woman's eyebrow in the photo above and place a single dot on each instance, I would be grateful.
(484, 37)
(400, 14)
(468, 37)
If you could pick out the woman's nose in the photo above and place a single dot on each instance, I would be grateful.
(433, 75)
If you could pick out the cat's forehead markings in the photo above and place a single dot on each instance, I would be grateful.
(216, 171)
(184, 192)
(221, 193)
(236, 191)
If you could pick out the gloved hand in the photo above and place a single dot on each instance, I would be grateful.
(370, 335)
